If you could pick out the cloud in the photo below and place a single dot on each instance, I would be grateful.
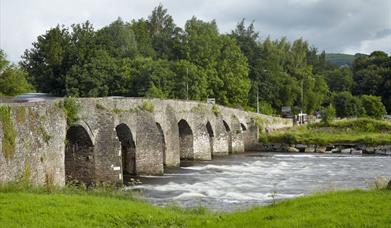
(332, 25)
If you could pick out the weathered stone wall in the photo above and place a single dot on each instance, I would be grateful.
(38, 155)
(152, 129)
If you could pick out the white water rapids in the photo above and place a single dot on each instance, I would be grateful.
(241, 181)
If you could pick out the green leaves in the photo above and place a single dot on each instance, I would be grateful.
(13, 80)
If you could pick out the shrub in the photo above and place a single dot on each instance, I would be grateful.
(373, 106)
(288, 139)
(328, 114)
(266, 108)
(147, 106)
(71, 109)
(346, 105)
(216, 110)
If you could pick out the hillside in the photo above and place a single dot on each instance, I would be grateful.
(340, 59)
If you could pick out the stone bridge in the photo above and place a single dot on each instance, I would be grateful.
(113, 138)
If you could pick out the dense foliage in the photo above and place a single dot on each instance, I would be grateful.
(155, 58)
(12, 79)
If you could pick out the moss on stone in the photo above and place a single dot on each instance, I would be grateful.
(46, 137)
(259, 122)
(147, 106)
(216, 110)
(100, 106)
(71, 109)
(9, 133)
(26, 173)
(20, 115)
(118, 111)
(199, 108)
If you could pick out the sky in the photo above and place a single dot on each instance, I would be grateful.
(336, 26)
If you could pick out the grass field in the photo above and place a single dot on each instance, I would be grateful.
(362, 130)
(25, 208)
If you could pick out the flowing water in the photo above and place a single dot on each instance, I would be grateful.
(245, 180)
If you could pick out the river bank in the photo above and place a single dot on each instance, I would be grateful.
(333, 209)
(349, 136)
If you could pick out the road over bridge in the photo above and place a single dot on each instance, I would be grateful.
(115, 137)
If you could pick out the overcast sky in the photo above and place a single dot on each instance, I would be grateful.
(346, 26)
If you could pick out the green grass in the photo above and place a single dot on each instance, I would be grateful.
(97, 208)
(362, 130)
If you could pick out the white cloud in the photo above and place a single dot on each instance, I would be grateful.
(368, 46)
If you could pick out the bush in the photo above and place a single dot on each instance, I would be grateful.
(266, 108)
(288, 139)
(71, 109)
(373, 106)
(346, 105)
(147, 106)
(328, 114)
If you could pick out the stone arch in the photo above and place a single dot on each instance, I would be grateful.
(243, 127)
(128, 151)
(79, 156)
(163, 140)
(186, 139)
(236, 135)
(211, 136)
(229, 135)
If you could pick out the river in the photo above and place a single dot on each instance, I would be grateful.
(245, 180)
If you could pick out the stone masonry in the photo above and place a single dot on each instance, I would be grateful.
(114, 137)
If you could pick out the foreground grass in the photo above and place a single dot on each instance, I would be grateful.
(362, 130)
(77, 209)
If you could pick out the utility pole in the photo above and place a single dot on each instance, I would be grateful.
(257, 100)
(187, 83)
(302, 95)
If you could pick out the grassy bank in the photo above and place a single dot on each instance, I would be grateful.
(362, 130)
(38, 208)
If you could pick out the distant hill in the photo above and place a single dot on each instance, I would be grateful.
(341, 59)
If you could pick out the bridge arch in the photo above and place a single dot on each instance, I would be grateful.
(229, 135)
(128, 151)
(236, 135)
(186, 140)
(79, 156)
(209, 129)
(163, 140)
(243, 127)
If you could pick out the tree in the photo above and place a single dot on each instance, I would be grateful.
(164, 33)
(143, 38)
(149, 76)
(339, 79)
(46, 63)
(328, 114)
(371, 75)
(12, 79)
(347, 105)
(232, 70)
(373, 106)
(247, 40)
(191, 81)
(92, 78)
(118, 39)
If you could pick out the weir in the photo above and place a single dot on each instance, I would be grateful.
(114, 138)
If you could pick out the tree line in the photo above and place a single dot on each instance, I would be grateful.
(154, 57)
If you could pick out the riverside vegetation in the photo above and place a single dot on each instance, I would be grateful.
(362, 130)
(22, 205)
